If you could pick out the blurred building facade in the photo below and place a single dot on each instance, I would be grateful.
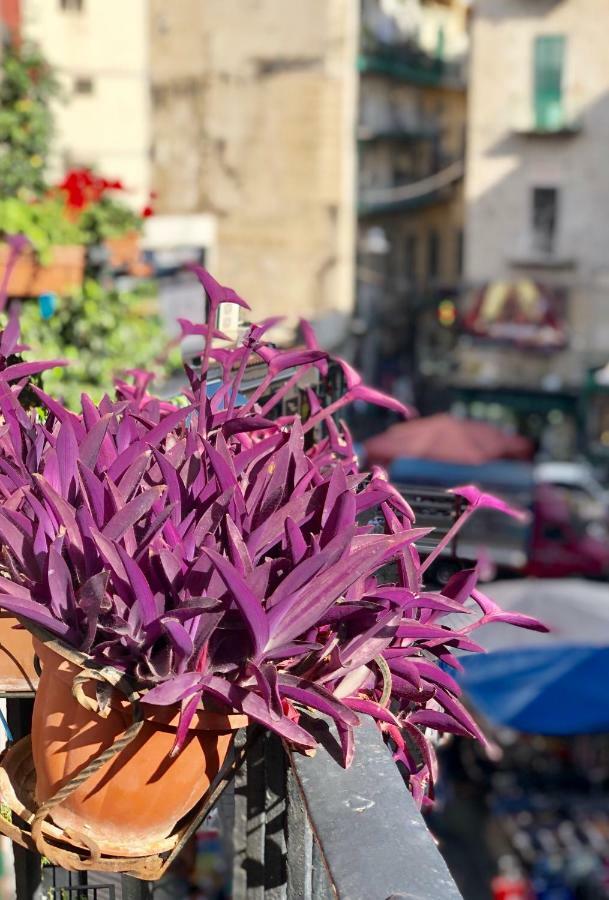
(10, 17)
(292, 146)
(100, 51)
(253, 118)
(537, 228)
(411, 129)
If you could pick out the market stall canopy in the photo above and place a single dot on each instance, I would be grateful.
(446, 438)
(552, 683)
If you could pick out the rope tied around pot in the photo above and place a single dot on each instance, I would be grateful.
(107, 678)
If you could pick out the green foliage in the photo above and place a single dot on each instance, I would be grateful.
(27, 87)
(102, 333)
(44, 222)
(108, 218)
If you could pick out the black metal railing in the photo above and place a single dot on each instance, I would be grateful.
(304, 828)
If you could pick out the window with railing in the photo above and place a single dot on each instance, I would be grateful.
(548, 65)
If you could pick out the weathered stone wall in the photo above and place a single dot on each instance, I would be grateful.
(253, 110)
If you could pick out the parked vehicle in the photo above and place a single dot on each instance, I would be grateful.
(579, 481)
(557, 540)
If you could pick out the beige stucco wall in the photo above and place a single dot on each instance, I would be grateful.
(504, 165)
(253, 121)
(109, 128)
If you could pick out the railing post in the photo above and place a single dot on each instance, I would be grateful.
(135, 889)
(275, 819)
(28, 865)
(299, 844)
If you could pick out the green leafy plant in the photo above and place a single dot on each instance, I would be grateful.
(42, 222)
(28, 85)
(102, 332)
(108, 218)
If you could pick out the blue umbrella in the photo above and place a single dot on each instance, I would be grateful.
(555, 683)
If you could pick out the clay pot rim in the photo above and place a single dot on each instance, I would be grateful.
(204, 719)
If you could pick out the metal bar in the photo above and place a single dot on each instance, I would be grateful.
(275, 820)
(373, 840)
(299, 843)
(256, 820)
(239, 842)
(27, 865)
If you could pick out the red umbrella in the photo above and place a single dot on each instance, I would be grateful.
(446, 438)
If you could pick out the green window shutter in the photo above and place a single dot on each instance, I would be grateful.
(549, 53)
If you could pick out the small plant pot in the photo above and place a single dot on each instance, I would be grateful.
(124, 254)
(30, 279)
(133, 802)
(17, 671)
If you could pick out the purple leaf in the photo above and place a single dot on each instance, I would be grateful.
(91, 597)
(187, 714)
(216, 292)
(370, 643)
(294, 614)
(478, 499)
(316, 697)
(371, 708)
(145, 602)
(180, 687)
(439, 721)
(131, 513)
(251, 607)
(33, 611)
(254, 706)
(90, 447)
(26, 370)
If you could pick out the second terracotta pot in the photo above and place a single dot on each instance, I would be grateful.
(133, 802)
(17, 671)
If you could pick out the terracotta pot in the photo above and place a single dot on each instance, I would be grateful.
(29, 278)
(133, 802)
(124, 253)
(17, 672)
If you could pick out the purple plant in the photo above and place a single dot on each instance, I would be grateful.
(201, 550)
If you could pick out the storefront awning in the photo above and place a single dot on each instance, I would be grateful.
(523, 312)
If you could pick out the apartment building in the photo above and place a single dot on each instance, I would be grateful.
(537, 226)
(411, 131)
(100, 50)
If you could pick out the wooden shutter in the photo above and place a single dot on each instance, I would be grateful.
(548, 71)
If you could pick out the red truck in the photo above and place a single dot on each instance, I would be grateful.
(557, 541)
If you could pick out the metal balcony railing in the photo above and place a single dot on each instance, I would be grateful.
(409, 63)
(298, 828)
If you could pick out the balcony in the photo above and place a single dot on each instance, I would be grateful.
(397, 132)
(437, 187)
(556, 120)
(408, 63)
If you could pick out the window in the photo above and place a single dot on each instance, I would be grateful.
(433, 254)
(544, 219)
(72, 5)
(549, 52)
(459, 247)
(83, 86)
(410, 258)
